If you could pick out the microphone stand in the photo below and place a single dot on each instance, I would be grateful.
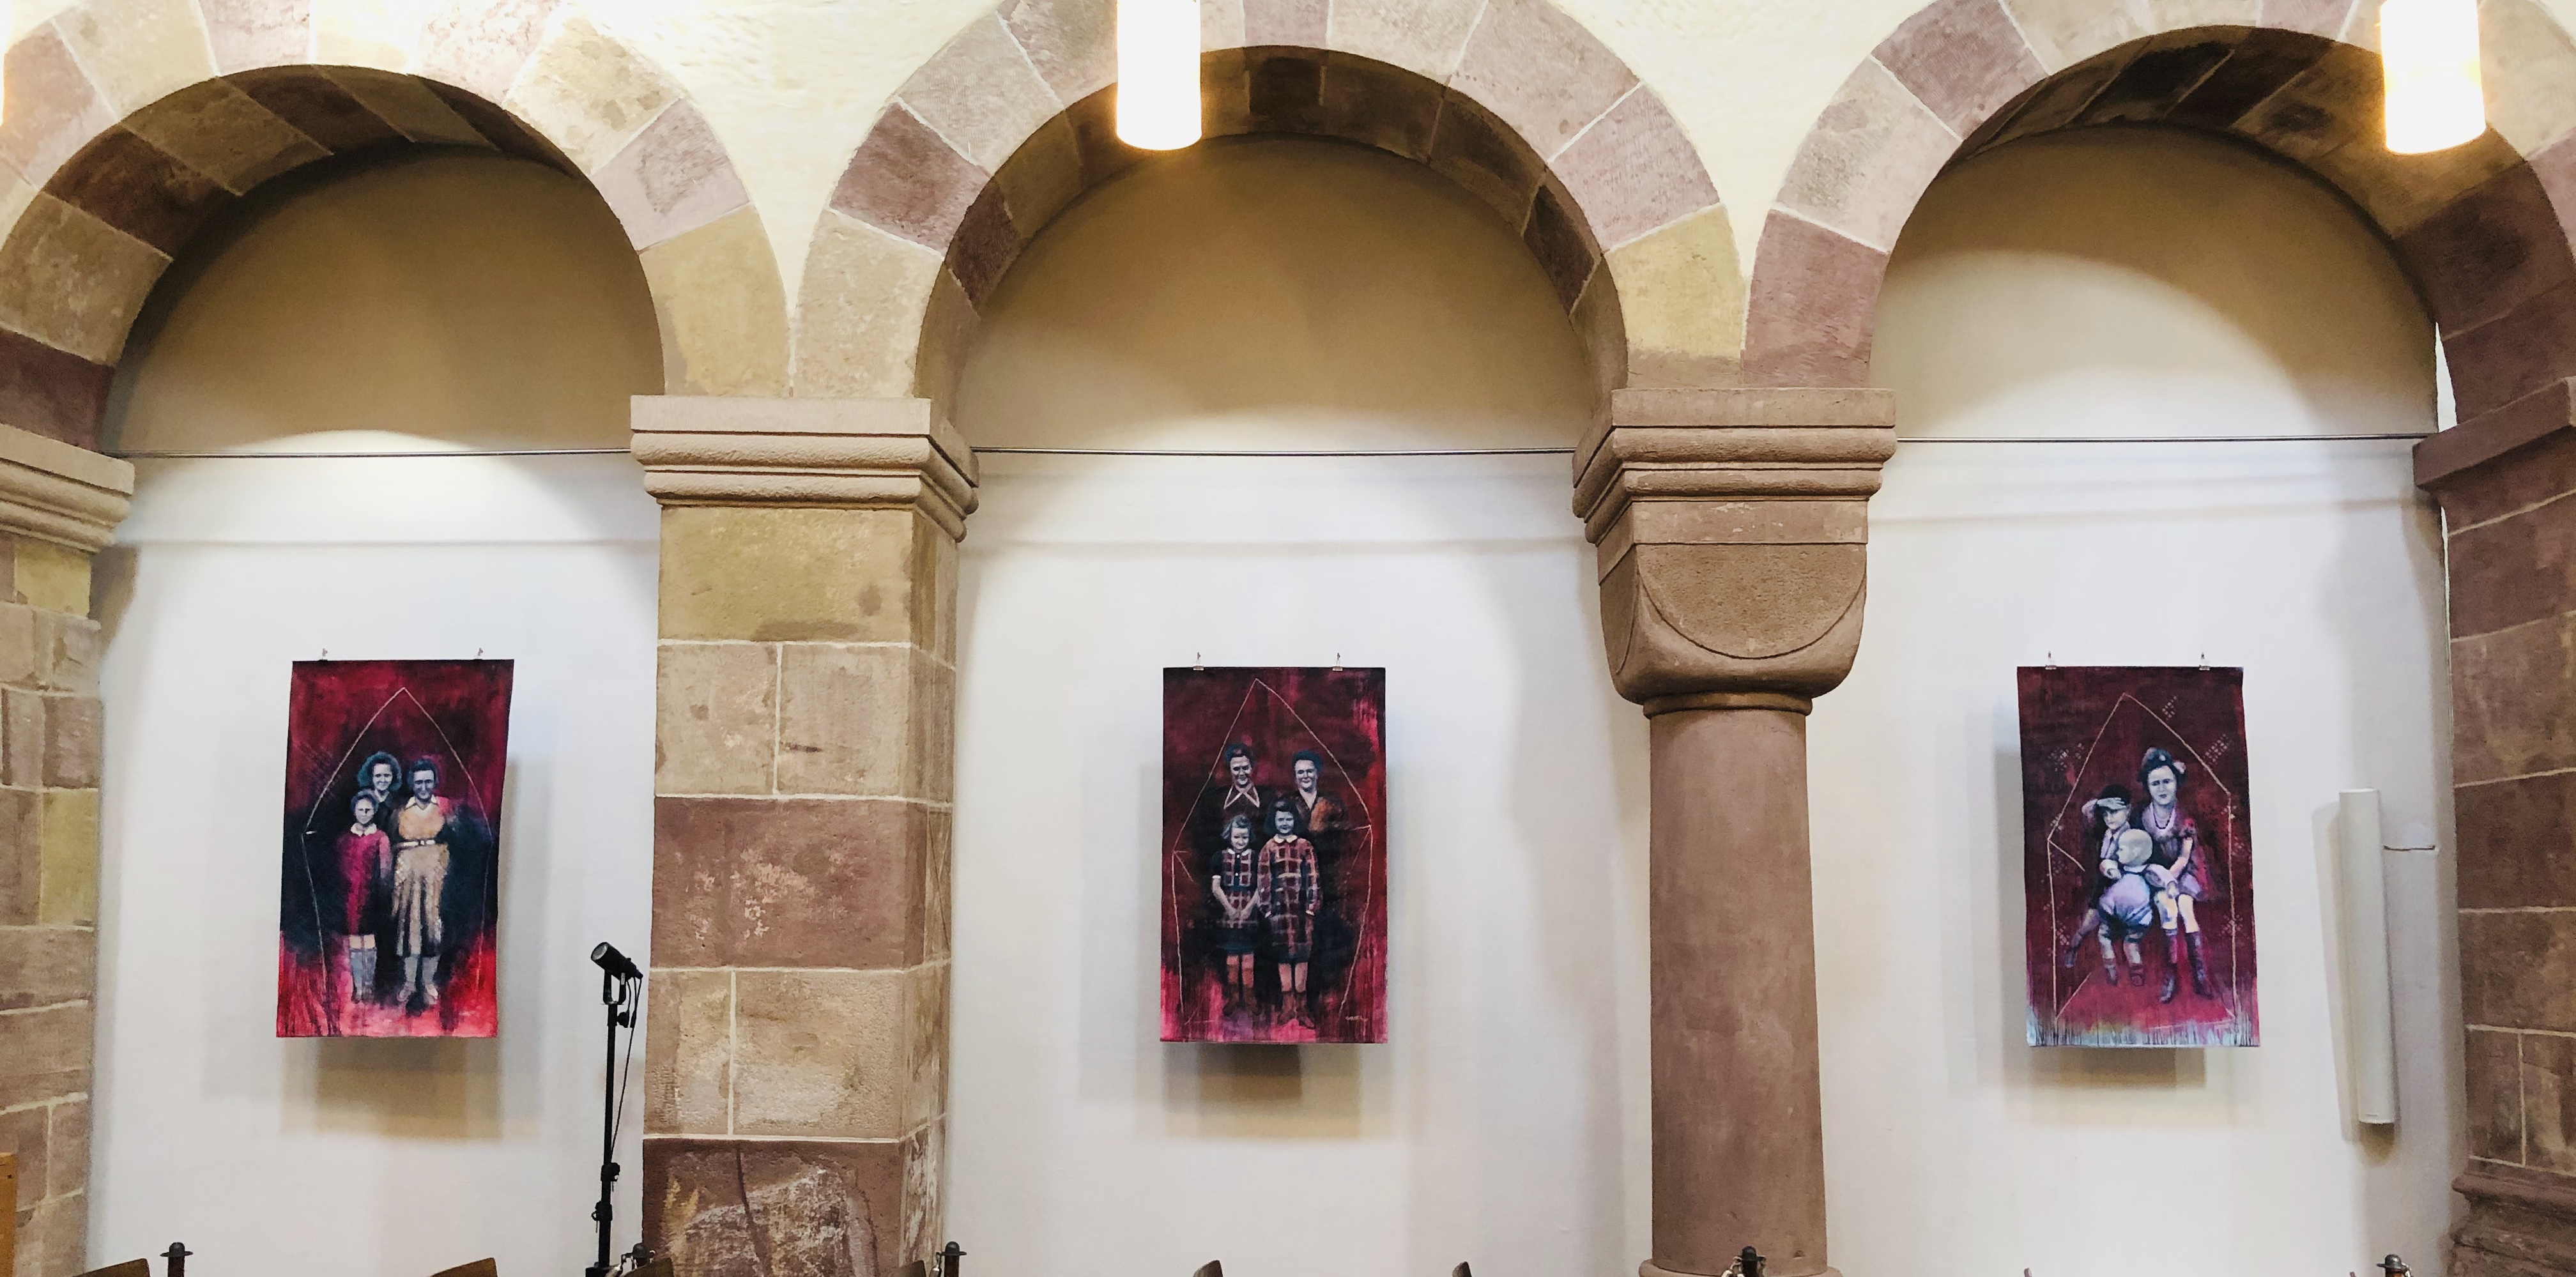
(618, 994)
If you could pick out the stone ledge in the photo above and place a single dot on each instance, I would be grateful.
(1733, 442)
(54, 491)
(844, 453)
(2520, 1220)
(2447, 454)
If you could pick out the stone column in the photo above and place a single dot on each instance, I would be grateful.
(1733, 527)
(58, 505)
(797, 1040)
(2507, 484)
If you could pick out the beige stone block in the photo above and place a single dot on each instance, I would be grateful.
(935, 596)
(1603, 331)
(481, 45)
(409, 106)
(588, 93)
(18, 651)
(219, 131)
(848, 720)
(1681, 297)
(1426, 37)
(688, 1054)
(791, 575)
(716, 716)
(22, 849)
(369, 33)
(1072, 43)
(1873, 151)
(22, 738)
(819, 1054)
(933, 763)
(2530, 62)
(73, 281)
(925, 1014)
(68, 891)
(2065, 32)
(137, 51)
(1043, 177)
(860, 311)
(67, 652)
(948, 328)
(722, 309)
(982, 94)
(2183, 15)
(55, 1236)
(52, 577)
(1220, 24)
(258, 33)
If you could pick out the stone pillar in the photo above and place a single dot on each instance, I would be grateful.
(1732, 528)
(797, 1040)
(2506, 481)
(58, 506)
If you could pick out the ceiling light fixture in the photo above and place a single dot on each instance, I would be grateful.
(2429, 52)
(1158, 73)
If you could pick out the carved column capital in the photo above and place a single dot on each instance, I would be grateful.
(1732, 526)
(866, 454)
(54, 491)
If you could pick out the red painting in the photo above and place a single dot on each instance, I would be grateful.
(389, 906)
(2138, 867)
(1274, 855)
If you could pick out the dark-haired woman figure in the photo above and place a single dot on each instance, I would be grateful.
(1238, 935)
(2174, 870)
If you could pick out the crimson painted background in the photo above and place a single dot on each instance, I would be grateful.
(2085, 727)
(339, 713)
(1341, 714)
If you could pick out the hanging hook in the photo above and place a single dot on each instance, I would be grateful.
(326, 654)
(478, 654)
(1337, 662)
(1198, 662)
(2052, 660)
(2204, 662)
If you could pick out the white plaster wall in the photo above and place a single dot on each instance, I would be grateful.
(1292, 295)
(449, 301)
(2133, 284)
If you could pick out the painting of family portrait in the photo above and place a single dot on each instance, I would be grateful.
(388, 907)
(2137, 864)
(1274, 855)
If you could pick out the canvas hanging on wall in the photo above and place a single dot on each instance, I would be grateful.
(1274, 855)
(388, 909)
(2137, 865)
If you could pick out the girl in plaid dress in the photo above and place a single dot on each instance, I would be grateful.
(1237, 905)
(1287, 887)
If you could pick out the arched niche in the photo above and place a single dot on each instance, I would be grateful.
(2478, 228)
(121, 143)
(1515, 101)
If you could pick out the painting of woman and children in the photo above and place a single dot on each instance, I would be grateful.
(388, 908)
(2137, 869)
(1274, 860)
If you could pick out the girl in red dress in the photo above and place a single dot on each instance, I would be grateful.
(366, 868)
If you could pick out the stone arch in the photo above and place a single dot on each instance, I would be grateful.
(1512, 99)
(2483, 229)
(123, 134)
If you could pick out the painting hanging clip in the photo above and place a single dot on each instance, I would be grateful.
(2204, 662)
(1198, 662)
(2052, 660)
(1337, 662)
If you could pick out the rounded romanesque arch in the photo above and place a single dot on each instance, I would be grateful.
(1512, 99)
(121, 138)
(2481, 229)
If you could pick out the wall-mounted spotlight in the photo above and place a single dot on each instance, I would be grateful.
(1158, 73)
(2429, 52)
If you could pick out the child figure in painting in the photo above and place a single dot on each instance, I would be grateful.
(2105, 819)
(420, 883)
(2174, 870)
(366, 864)
(1289, 893)
(2127, 903)
(1238, 907)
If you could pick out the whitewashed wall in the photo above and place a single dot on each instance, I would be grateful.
(2141, 285)
(446, 302)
